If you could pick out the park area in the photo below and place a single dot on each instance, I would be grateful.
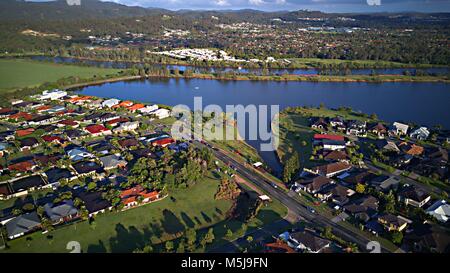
(19, 73)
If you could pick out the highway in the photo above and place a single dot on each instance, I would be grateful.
(294, 205)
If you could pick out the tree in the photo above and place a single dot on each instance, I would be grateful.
(229, 234)
(208, 238)
(291, 167)
(169, 246)
(91, 186)
(191, 237)
(360, 188)
(249, 239)
(397, 237)
(181, 246)
(327, 232)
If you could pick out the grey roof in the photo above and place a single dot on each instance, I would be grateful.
(111, 161)
(59, 211)
(22, 223)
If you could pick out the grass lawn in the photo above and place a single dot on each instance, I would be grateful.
(125, 231)
(16, 74)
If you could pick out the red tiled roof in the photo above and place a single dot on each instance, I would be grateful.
(136, 107)
(43, 108)
(125, 103)
(19, 115)
(163, 142)
(21, 166)
(117, 120)
(96, 128)
(52, 138)
(68, 122)
(329, 137)
(24, 132)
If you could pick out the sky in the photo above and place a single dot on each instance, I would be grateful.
(271, 5)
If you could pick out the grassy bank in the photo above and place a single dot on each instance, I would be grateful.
(17, 73)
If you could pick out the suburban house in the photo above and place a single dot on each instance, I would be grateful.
(23, 166)
(128, 143)
(113, 161)
(110, 103)
(68, 122)
(411, 149)
(135, 107)
(337, 194)
(330, 142)
(319, 124)
(28, 143)
(97, 130)
(440, 210)
(161, 113)
(307, 241)
(149, 108)
(336, 155)
(421, 133)
(359, 176)
(87, 168)
(73, 134)
(79, 153)
(137, 195)
(42, 120)
(3, 148)
(313, 185)
(53, 139)
(22, 225)
(107, 117)
(5, 191)
(62, 212)
(387, 145)
(25, 185)
(385, 183)
(331, 169)
(24, 132)
(338, 123)
(116, 121)
(356, 128)
(163, 142)
(413, 196)
(55, 175)
(378, 129)
(127, 126)
(364, 208)
(94, 202)
(52, 95)
(392, 222)
(399, 129)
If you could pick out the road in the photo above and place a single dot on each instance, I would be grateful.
(294, 205)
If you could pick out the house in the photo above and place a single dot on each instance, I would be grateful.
(116, 121)
(378, 129)
(135, 107)
(359, 176)
(42, 120)
(387, 145)
(331, 169)
(45, 160)
(161, 113)
(52, 95)
(7, 135)
(94, 202)
(79, 153)
(307, 241)
(73, 134)
(55, 175)
(439, 210)
(5, 191)
(23, 166)
(385, 183)
(110, 103)
(127, 126)
(427, 238)
(24, 185)
(421, 133)
(319, 124)
(21, 116)
(23, 224)
(128, 143)
(68, 122)
(97, 130)
(107, 117)
(313, 185)
(364, 208)
(133, 196)
(149, 108)
(335, 155)
(62, 212)
(102, 147)
(24, 132)
(412, 195)
(411, 149)
(112, 162)
(124, 104)
(399, 129)
(163, 142)
(392, 222)
(4, 147)
(96, 104)
(356, 128)
(87, 168)
(338, 123)
(337, 194)
(92, 118)
(53, 139)
(28, 143)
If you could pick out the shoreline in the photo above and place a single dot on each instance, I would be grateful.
(289, 78)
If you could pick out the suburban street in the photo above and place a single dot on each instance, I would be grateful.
(299, 209)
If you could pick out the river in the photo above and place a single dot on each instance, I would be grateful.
(420, 103)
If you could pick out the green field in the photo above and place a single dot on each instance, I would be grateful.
(16, 74)
(125, 231)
